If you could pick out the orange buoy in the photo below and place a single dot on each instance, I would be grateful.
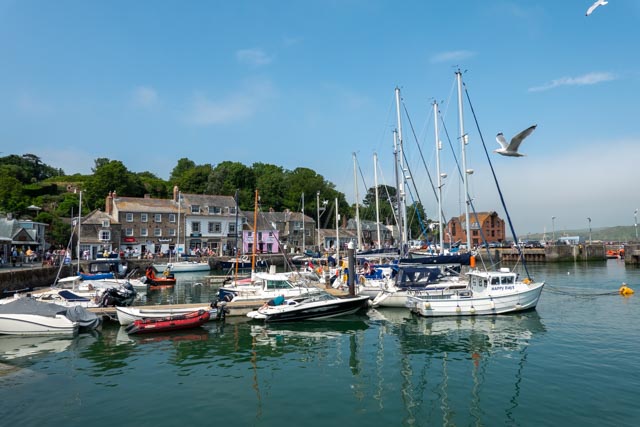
(472, 261)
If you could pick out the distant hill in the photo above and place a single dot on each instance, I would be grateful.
(620, 233)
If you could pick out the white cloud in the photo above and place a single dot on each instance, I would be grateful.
(232, 108)
(452, 56)
(586, 79)
(255, 57)
(144, 97)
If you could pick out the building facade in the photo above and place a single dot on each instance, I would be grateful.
(487, 224)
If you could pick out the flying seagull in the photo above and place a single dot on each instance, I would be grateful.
(595, 5)
(511, 149)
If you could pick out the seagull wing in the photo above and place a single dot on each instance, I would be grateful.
(595, 5)
(517, 140)
(501, 141)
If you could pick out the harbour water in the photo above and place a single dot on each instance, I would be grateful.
(573, 361)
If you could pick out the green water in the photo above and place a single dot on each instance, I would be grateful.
(573, 361)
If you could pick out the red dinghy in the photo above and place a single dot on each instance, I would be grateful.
(170, 323)
(158, 281)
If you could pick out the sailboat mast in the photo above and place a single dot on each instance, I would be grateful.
(303, 234)
(79, 228)
(398, 208)
(375, 178)
(402, 208)
(178, 239)
(440, 176)
(464, 140)
(355, 181)
(255, 236)
(337, 235)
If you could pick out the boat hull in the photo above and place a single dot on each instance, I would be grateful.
(167, 324)
(462, 305)
(183, 267)
(315, 310)
(32, 324)
(128, 315)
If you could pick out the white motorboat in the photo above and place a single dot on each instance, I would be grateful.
(26, 316)
(128, 315)
(266, 286)
(183, 266)
(487, 292)
(316, 307)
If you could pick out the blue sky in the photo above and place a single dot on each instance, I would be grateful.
(308, 83)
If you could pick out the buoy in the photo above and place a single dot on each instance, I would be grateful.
(472, 261)
(625, 290)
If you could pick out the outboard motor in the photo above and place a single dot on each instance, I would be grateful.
(223, 310)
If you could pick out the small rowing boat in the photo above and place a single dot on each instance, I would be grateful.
(169, 323)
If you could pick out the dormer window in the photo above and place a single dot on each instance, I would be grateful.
(106, 223)
(195, 209)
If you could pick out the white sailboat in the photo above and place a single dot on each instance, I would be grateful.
(487, 292)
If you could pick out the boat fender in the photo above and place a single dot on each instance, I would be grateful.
(427, 305)
(458, 309)
(493, 305)
(472, 261)
(472, 310)
(625, 290)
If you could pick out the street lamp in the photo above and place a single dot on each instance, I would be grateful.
(553, 229)
(589, 229)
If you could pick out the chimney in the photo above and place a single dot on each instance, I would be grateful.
(108, 204)
(175, 193)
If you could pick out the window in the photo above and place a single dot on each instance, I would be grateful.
(104, 235)
(297, 225)
(232, 228)
(157, 232)
(129, 217)
(172, 232)
(157, 218)
(232, 210)
(259, 235)
(215, 227)
(144, 232)
(215, 210)
(144, 217)
(128, 232)
(106, 223)
(195, 209)
(195, 227)
(172, 217)
(271, 234)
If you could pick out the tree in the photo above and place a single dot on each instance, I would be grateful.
(112, 176)
(387, 201)
(270, 181)
(227, 177)
(181, 168)
(11, 197)
(154, 186)
(98, 163)
(194, 180)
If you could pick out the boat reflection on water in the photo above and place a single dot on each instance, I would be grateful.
(299, 333)
(435, 350)
(462, 334)
(196, 334)
(15, 346)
